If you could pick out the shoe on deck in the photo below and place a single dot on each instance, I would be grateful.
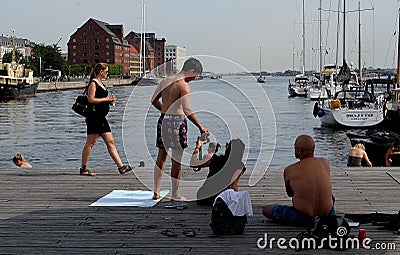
(124, 169)
(180, 205)
(86, 172)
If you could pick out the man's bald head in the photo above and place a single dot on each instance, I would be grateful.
(304, 147)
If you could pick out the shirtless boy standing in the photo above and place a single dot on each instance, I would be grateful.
(174, 106)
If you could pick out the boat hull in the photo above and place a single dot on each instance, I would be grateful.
(351, 118)
(18, 91)
(145, 81)
(297, 92)
(315, 94)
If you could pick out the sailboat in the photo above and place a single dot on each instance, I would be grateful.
(16, 81)
(145, 79)
(261, 78)
(301, 81)
(353, 106)
(318, 89)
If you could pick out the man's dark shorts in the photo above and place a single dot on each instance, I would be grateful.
(288, 215)
(171, 132)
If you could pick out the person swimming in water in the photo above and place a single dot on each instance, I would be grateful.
(20, 161)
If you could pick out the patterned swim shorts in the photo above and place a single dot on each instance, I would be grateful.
(171, 132)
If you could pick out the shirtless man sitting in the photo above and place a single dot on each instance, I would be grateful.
(172, 99)
(308, 183)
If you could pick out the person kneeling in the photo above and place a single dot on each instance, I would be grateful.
(224, 170)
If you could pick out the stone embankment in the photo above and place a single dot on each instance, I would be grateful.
(67, 85)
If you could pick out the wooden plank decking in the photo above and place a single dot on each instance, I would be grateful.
(46, 211)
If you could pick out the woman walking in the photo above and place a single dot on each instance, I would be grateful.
(96, 122)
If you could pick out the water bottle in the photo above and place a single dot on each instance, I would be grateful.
(205, 137)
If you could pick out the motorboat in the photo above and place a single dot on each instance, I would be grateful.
(299, 87)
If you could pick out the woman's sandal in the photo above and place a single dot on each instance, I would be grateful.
(124, 169)
(86, 172)
(168, 232)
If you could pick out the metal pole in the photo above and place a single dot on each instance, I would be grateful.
(304, 38)
(320, 39)
(344, 30)
(359, 43)
(398, 55)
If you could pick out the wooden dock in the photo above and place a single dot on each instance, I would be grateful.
(46, 211)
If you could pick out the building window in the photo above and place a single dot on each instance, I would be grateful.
(107, 46)
(74, 47)
(96, 55)
(96, 47)
(85, 33)
(107, 39)
(96, 41)
(74, 40)
(97, 33)
(84, 41)
(84, 47)
(90, 26)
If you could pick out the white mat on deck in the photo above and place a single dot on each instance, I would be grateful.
(139, 198)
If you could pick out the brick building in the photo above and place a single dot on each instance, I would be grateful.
(155, 49)
(97, 41)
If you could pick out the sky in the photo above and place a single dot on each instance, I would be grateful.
(225, 29)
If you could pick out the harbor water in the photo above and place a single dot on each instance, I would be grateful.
(49, 134)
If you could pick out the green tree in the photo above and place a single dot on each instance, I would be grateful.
(80, 70)
(19, 58)
(50, 57)
(115, 70)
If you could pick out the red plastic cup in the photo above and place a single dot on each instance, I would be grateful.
(362, 234)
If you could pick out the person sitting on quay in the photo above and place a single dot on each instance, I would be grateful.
(393, 153)
(356, 155)
(308, 183)
(19, 161)
(224, 170)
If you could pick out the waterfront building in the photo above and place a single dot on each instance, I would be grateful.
(97, 41)
(176, 56)
(155, 50)
(134, 62)
(23, 46)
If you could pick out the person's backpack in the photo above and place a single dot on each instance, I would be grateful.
(328, 225)
(223, 222)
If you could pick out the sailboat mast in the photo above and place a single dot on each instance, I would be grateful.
(304, 38)
(13, 57)
(141, 41)
(260, 60)
(144, 37)
(337, 35)
(320, 38)
(344, 31)
(398, 55)
(359, 43)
